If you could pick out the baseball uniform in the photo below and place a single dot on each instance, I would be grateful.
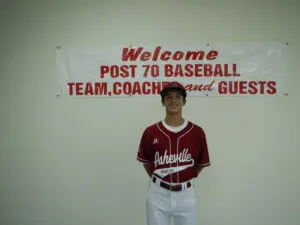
(174, 154)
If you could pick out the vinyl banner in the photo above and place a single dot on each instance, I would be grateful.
(204, 70)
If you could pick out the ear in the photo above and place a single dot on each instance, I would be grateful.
(184, 101)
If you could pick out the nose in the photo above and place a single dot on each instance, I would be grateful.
(173, 99)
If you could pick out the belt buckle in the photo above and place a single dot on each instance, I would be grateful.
(175, 188)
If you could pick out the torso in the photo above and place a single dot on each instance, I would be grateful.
(174, 154)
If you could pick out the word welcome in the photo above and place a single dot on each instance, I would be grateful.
(134, 54)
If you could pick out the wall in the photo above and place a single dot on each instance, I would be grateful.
(72, 161)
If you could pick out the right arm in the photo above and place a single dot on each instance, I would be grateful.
(148, 167)
(143, 152)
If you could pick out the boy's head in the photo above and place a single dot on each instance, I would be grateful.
(173, 97)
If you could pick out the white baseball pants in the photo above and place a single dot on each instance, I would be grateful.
(163, 205)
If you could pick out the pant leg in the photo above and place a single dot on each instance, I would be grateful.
(185, 211)
(158, 205)
(156, 216)
(185, 219)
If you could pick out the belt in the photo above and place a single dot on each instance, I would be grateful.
(176, 187)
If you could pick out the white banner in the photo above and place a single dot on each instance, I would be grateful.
(204, 70)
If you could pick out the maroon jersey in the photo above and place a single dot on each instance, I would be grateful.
(174, 156)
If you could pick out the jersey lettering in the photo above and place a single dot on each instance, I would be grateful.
(182, 157)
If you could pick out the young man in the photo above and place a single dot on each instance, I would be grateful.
(173, 151)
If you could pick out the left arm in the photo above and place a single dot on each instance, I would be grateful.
(203, 159)
(199, 169)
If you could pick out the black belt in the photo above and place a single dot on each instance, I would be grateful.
(176, 187)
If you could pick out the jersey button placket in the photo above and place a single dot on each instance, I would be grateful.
(177, 148)
(174, 152)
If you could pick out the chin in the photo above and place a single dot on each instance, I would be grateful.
(173, 111)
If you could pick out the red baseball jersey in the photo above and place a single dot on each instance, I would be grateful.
(174, 156)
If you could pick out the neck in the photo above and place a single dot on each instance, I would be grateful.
(174, 120)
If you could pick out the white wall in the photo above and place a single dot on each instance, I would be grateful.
(72, 161)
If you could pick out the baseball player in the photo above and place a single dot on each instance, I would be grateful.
(173, 152)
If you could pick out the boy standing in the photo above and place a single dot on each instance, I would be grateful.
(173, 152)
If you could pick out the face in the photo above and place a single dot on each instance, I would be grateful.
(174, 101)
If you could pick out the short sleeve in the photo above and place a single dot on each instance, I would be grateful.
(203, 159)
(143, 153)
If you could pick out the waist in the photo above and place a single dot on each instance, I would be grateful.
(170, 186)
